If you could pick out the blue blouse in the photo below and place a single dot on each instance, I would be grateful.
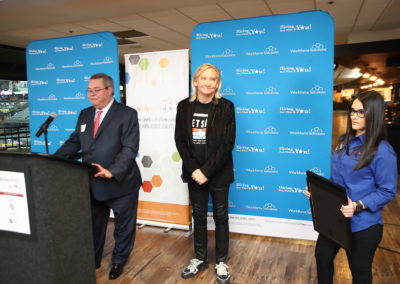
(375, 185)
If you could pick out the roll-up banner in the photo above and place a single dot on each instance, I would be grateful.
(58, 74)
(278, 71)
(155, 83)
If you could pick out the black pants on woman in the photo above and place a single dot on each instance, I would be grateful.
(364, 245)
(199, 199)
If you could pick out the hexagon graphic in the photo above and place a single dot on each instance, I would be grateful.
(134, 59)
(156, 180)
(127, 78)
(147, 186)
(163, 62)
(176, 157)
(147, 161)
(144, 63)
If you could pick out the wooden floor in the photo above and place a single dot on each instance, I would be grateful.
(159, 257)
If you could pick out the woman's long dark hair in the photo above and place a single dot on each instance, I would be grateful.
(374, 107)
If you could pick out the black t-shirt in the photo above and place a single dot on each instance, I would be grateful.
(199, 130)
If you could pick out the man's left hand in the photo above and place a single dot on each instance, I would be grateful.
(102, 172)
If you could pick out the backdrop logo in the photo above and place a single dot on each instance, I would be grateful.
(294, 110)
(250, 32)
(314, 170)
(77, 63)
(228, 92)
(299, 211)
(66, 112)
(209, 35)
(313, 131)
(296, 172)
(63, 48)
(295, 69)
(294, 151)
(61, 142)
(38, 82)
(53, 127)
(78, 96)
(69, 129)
(270, 169)
(106, 60)
(267, 206)
(92, 45)
(245, 186)
(314, 90)
(65, 81)
(293, 189)
(270, 130)
(270, 50)
(268, 91)
(40, 143)
(316, 47)
(250, 149)
(231, 204)
(225, 53)
(49, 66)
(250, 110)
(317, 171)
(40, 112)
(37, 51)
(250, 71)
(295, 28)
(86, 78)
(51, 97)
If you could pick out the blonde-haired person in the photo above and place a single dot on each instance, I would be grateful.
(205, 133)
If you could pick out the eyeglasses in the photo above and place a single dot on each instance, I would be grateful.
(95, 91)
(360, 112)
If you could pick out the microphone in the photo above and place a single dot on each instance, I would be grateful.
(46, 124)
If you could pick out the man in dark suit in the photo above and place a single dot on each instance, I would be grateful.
(108, 133)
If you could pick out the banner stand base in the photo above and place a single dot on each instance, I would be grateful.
(168, 226)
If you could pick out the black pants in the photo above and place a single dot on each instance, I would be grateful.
(125, 211)
(199, 199)
(364, 245)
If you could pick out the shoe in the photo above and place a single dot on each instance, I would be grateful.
(194, 267)
(223, 276)
(116, 271)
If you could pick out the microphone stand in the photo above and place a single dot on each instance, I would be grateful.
(46, 141)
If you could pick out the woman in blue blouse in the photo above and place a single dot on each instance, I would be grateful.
(365, 164)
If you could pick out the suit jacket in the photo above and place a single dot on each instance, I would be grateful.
(115, 148)
(221, 132)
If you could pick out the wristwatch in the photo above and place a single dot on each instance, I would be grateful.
(359, 206)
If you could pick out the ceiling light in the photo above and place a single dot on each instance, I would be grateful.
(356, 70)
(375, 84)
(366, 75)
(380, 81)
(373, 78)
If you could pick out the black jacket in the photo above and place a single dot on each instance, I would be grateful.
(115, 148)
(221, 132)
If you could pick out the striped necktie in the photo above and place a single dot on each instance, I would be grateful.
(97, 122)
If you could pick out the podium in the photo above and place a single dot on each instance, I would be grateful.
(59, 248)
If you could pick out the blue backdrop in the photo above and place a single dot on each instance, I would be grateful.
(58, 75)
(278, 70)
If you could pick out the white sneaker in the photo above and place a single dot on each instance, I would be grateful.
(194, 267)
(223, 276)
